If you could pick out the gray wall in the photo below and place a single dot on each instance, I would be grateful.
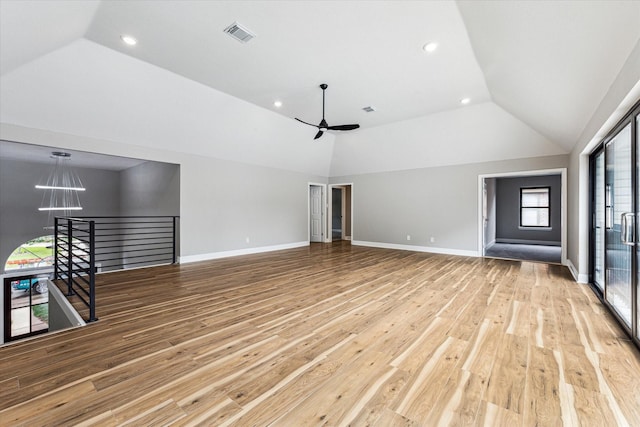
(150, 188)
(508, 228)
(439, 202)
(20, 219)
(223, 203)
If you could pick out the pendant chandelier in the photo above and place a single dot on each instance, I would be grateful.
(62, 186)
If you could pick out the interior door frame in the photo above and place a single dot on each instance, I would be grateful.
(323, 209)
(330, 209)
(343, 192)
(563, 202)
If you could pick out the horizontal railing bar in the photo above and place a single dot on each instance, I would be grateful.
(169, 221)
(154, 227)
(132, 234)
(143, 246)
(118, 255)
(84, 291)
(77, 276)
(82, 299)
(128, 240)
(73, 280)
(80, 268)
(125, 216)
(80, 230)
(134, 244)
(79, 248)
(124, 250)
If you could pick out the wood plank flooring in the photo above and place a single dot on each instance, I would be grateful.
(331, 335)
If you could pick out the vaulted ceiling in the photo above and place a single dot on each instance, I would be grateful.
(534, 73)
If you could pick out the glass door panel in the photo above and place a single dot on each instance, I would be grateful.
(599, 221)
(637, 228)
(618, 221)
(26, 306)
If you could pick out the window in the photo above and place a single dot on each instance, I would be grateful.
(534, 207)
(35, 253)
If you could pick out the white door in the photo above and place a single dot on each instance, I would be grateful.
(315, 209)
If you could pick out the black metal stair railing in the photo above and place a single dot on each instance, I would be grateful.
(89, 245)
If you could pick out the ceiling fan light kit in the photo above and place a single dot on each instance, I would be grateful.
(323, 126)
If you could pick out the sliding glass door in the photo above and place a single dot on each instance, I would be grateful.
(618, 223)
(615, 221)
(636, 312)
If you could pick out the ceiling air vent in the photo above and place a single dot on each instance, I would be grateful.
(239, 32)
(369, 109)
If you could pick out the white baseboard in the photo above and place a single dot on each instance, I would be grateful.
(238, 252)
(580, 278)
(430, 249)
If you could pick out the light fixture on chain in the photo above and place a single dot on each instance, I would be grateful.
(62, 186)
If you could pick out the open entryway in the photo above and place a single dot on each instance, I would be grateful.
(523, 216)
(340, 210)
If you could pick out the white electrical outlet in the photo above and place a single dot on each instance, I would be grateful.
(432, 239)
(247, 239)
(408, 237)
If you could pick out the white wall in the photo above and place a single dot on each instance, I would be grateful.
(472, 134)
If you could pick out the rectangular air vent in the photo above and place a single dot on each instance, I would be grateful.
(369, 109)
(239, 32)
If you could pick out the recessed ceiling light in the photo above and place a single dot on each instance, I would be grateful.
(465, 101)
(131, 41)
(277, 104)
(430, 47)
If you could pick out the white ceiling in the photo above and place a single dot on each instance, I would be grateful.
(41, 154)
(370, 53)
(538, 69)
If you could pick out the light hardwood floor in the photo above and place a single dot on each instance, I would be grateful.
(332, 335)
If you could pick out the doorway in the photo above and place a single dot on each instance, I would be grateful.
(614, 235)
(523, 215)
(340, 209)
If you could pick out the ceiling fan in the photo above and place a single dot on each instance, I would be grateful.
(323, 126)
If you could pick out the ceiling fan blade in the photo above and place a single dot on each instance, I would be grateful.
(343, 127)
(302, 121)
(319, 134)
